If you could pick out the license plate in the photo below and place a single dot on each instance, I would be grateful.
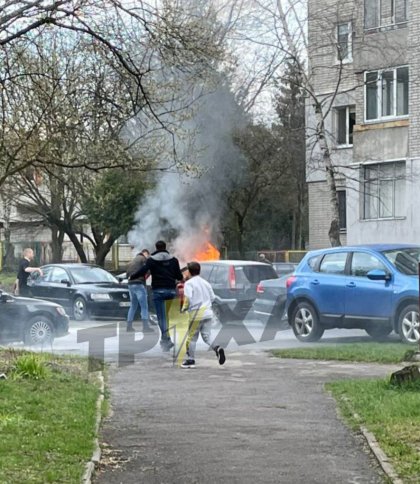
(125, 304)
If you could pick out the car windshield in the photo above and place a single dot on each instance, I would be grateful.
(405, 260)
(257, 273)
(86, 275)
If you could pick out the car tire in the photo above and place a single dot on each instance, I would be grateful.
(378, 331)
(408, 324)
(39, 331)
(80, 312)
(305, 323)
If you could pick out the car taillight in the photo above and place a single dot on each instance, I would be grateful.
(290, 281)
(232, 278)
(260, 288)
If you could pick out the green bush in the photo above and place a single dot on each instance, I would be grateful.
(30, 366)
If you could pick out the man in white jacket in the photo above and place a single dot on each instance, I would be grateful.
(198, 300)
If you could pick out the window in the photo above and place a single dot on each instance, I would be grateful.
(334, 263)
(345, 121)
(383, 190)
(362, 263)
(58, 275)
(344, 42)
(342, 209)
(385, 13)
(386, 93)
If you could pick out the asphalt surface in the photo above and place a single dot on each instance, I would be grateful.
(257, 419)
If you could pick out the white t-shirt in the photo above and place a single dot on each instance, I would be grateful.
(199, 295)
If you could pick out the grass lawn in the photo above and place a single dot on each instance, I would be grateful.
(363, 352)
(392, 414)
(6, 280)
(47, 418)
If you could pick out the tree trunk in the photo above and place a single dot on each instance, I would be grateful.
(240, 222)
(293, 238)
(57, 237)
(77, 245)
(102, 250)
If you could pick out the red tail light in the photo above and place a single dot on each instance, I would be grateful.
(260, 288)
(290, 281)
(232, 278)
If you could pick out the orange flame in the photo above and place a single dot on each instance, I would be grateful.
(207, 252)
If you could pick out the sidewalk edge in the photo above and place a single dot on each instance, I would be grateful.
(380, 456)
(96, 455)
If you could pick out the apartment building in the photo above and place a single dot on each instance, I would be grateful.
(364, 62)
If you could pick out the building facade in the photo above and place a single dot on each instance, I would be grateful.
(364, 64)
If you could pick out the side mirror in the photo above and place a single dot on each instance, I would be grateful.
(378, 275)
(66, 282)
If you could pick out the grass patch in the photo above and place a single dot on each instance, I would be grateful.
(391, 413)
(7, 280)
(47, 417)
(363, 352)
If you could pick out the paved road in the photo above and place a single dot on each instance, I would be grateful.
(257, 419)
(252, 335)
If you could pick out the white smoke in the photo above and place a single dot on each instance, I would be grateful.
(186, 205)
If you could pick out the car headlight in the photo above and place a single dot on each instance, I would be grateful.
(100, 296)
(60, 310)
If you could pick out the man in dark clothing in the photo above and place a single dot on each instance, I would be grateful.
(165, 272)
(138, 292)
(24, 271)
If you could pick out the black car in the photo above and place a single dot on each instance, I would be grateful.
(234, 283)
(270, 303)
(85, 290)
(30, 320)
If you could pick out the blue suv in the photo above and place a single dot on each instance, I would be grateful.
(371, 287)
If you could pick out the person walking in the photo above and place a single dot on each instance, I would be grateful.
(165, 272)
(138, 292)
(24, 271)
(198, 300)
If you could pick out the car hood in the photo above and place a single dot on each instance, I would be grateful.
(101, 287)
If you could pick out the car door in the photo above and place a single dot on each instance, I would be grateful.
(12, 315)
(39, 285)
(328, 285)
(59, 284)
(367, 299)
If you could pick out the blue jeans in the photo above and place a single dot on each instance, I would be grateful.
(160, 298)
(138, 296)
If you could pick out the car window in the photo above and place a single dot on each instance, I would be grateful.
(88, 274)
(206, 271)
(58, 274)
(258, 273)
(313, 261)
(405, 260)
(333, 263)
(220, 276)
(362, 263)
(46, 272)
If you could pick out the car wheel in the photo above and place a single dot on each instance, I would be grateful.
(305, 323)
(39, 331)
(408, 324)
(80, 312)
(379, 331)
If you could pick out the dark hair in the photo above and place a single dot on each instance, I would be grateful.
(194, 268)
(160, 245)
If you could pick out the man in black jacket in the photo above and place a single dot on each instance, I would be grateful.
(165, 272)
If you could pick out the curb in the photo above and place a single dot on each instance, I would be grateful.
(96, 456)
(381, 457)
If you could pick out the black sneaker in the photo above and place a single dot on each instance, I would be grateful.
(220, 353)
(188, 364)
(148, 329)
(130, 329)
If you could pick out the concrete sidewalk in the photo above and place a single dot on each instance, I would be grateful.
(257, 419)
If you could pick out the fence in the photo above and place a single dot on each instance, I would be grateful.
(120, 255)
